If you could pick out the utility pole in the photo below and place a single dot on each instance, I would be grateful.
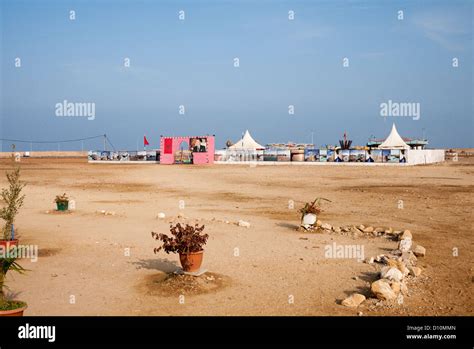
(105, 142)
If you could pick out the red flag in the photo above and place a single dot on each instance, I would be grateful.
(145, 141)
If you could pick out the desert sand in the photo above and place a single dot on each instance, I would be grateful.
(106, 264)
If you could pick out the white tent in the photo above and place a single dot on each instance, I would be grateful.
(246, 143)
(394, 141)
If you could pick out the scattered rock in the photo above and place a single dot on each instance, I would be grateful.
(409, 257)
(419, 251)
(391, 262)
(379, 230)
(161, 215)
(326, 226)
(396, 252)
(244, 224)
(403, 288)
(396, 287)
(361, 227)
(369, 260)
(336, 230)
(399, 265)
(404, 245)
(382, 290)
(345, 229)
(354, 300)
(106, 213)
(54, 275)
(355, 231)
(403, 268)
(368, 230)
(391, 273)
(389, 231)
(355, 278)
(400, 299)
(319, 223)
(414, 271)
(405, 235)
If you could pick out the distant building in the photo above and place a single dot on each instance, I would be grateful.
(394, 141)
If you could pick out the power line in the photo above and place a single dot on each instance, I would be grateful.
(108, 140)
(44, 142)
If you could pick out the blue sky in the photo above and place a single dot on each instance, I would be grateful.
(282, 63)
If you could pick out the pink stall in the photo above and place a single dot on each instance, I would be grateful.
(197, 150)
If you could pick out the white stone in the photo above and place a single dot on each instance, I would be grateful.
(391, 273)
(354, 300)
(161, 215)
(405, 235)
(414, 271)
(244, 224)
(404, 245)
(369, 260)
(382, 290)
(326, 226)
(419, 251)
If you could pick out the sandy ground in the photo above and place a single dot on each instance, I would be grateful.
(277, 270)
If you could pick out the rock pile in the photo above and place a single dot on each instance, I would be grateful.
(395, 268)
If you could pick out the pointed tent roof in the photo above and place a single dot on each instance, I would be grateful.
(394, 141)
(246, 143)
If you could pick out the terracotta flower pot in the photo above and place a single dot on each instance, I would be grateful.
(7, 243)
(14, 312)
(191, 261)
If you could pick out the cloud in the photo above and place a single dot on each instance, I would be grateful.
(450, 30)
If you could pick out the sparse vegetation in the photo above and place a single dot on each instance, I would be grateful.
(13, 200)
(8, 263)
(61, 199)
(184, 240)
(312, 207)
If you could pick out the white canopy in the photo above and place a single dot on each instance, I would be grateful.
(394, 141)
(246, 143)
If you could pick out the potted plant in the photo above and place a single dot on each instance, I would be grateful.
(309, 212)
(9, 306)
(62, 202)
(187, 241)
(13, 200)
